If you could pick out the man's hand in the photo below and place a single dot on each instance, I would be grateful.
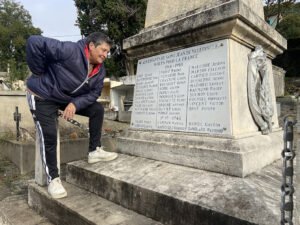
(69, 111)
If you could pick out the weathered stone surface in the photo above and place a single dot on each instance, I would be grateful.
(297, 166)
(9, 100)
(124, 116)
(260, 97)
(159, 11)
(183, 196)
(238, 24)
(14, 210)
(242, 120)
(23, 154)
(279, 84)
(233, 19)
(81, 208)
(237, 157)
(191, 91)
(185, 90)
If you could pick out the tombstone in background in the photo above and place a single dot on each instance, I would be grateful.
(104, 99)
(279, 84)
(122, 97)
(191, 101)
(3, 86)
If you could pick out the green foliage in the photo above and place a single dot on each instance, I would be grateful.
(276, 7)
(18, 70)
(119, 19)
(289, 13)
(15, 28)
(289, 27)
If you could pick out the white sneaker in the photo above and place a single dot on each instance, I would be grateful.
(100, 155)
(56, 190)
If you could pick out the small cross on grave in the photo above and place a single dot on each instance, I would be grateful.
(17, 118)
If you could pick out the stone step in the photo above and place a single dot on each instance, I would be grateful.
(14, 210)
(179, 195)
(81, 207)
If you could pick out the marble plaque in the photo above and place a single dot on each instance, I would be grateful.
(185, 90)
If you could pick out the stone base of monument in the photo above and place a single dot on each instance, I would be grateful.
(236, 157)
(176, 195)
(197, 87)
(137, 188)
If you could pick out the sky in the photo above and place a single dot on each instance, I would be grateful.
(56, 18)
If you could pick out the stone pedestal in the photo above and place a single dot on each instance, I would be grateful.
(191, 102)
(163, 11)
(236, 157)
(297, 166)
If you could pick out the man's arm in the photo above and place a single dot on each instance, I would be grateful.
(41, 51)
(82, 101)
(79, 103)
(85, 100)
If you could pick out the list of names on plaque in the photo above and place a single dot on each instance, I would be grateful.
(172, 98)
(184, 90)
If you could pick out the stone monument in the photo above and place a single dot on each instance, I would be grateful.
(191, 102)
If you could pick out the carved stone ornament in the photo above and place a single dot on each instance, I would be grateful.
(259, 93)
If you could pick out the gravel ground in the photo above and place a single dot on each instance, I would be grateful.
(11, 182)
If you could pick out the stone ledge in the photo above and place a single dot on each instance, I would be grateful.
(180, 195)
(204, 5)
(14, 210)
(203, 26)
(23, 154)
(12, 93)
(236, 157)
(82, 208)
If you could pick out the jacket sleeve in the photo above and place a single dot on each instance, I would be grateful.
(85, 100)
(40, 51)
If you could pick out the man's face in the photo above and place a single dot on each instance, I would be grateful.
(98, 54)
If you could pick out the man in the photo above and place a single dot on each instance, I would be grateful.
(67, 76)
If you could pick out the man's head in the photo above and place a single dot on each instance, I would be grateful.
(99, 46)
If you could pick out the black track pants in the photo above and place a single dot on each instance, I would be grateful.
(45, 115)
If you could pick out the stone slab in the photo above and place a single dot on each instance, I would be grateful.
(233, 19)
(81, 207)
(185, 90)
(14, 210)
(297, 164)
(279, 83)
(124, 116)
(158, 12)
(236, 157)
(23, 154)
(178, 195)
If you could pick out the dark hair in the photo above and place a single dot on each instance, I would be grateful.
(98, 38)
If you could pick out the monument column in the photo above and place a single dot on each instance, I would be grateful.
(203, 97)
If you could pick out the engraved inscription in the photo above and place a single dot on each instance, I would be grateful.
(185, 90)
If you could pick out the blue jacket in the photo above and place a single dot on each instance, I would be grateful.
(60, 72)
